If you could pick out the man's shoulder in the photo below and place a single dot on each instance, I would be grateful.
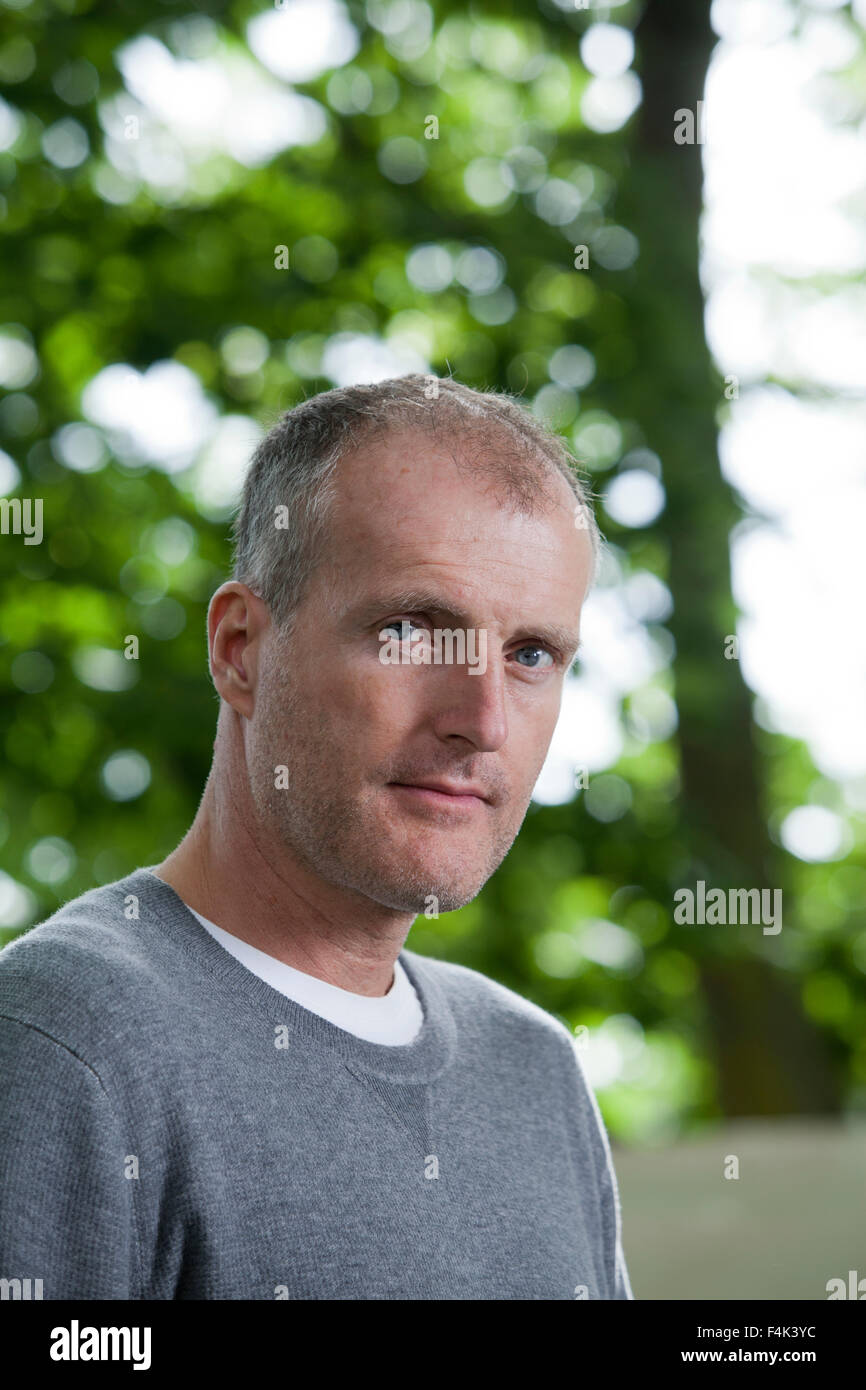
(477, 996)
(98, 923)
(86, 961)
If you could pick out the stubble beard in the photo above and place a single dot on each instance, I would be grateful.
(339, 837)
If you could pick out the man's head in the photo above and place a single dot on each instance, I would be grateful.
(374, 506)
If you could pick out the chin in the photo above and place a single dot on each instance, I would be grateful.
(416, 896)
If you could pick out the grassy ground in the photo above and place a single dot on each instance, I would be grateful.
(793, 1219)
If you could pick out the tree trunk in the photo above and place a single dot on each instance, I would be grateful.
(771, 1059)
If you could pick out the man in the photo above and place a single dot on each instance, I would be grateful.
(224, 1076)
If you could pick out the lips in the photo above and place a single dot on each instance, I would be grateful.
(445, 795)
(446, 788)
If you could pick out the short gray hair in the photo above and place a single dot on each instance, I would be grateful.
(294, 468)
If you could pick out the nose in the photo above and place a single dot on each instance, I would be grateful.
(470, 705)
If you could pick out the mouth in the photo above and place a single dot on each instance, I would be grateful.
(443, 795)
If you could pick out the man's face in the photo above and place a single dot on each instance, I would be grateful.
(367, 743)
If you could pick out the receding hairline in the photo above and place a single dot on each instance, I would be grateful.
(515, 487)
(479, 449)
(488, 434)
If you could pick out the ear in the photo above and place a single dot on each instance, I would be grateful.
(236, 622)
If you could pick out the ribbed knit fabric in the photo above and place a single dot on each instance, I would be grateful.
(171, 1127)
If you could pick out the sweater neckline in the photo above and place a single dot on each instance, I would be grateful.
(418, 1061)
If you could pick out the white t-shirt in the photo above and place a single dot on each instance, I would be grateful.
(393, 1019)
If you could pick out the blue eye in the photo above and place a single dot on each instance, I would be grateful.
(536, 652)
(402, 627)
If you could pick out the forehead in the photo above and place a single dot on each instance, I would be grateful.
(417, 508)
(471, 454)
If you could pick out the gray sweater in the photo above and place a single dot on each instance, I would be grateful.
(171, 1127)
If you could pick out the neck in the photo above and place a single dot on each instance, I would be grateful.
(233, 873)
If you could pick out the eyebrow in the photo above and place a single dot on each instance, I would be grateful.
(427, 601)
